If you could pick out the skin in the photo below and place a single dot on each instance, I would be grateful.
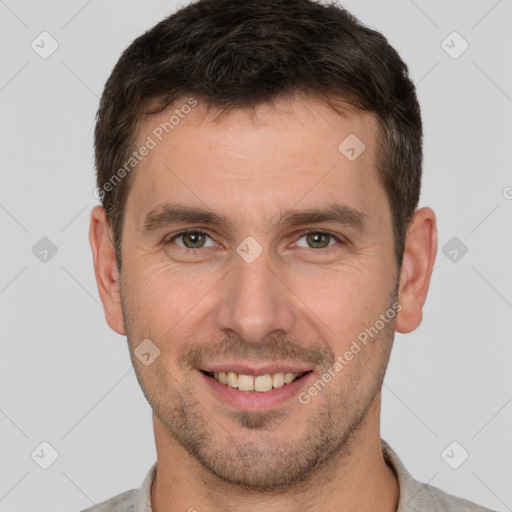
(303, 300)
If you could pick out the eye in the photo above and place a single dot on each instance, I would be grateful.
(319, 239)
(196, 239)
(192, 239)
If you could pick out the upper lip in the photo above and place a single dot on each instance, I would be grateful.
(251, 369)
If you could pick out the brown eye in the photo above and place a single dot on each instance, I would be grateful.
(191, 239)
(318, 240)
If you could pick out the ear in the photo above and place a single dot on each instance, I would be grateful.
(105, 269)
(418, 262)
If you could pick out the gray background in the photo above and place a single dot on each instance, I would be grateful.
(66, 378)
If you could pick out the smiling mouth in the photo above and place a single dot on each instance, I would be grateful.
(255, 383)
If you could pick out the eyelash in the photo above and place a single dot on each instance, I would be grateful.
(301, 235)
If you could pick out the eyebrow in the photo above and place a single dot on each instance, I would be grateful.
(169, 214)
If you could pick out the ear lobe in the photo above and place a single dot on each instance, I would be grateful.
(417, 265)
(105, 269)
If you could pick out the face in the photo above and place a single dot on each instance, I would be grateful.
(260, 286)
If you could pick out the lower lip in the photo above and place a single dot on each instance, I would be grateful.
(255, 400)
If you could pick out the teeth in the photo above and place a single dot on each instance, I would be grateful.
(289, 377)
(278, 380)
(263, 383)
(245, 382)
(260, 383)
(232, 380)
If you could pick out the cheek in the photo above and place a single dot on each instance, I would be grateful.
(346, 300)
(164, 301)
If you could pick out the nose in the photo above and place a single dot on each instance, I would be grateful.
(255, 301)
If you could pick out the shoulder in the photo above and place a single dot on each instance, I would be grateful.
(121, 503)
(416, 496)
(135, 500)
(433, 498)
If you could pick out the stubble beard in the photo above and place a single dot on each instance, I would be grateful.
(252, 452)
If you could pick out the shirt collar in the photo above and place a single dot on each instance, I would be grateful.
(409, 487)
(143, 497)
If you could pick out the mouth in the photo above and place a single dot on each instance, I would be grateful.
(255, 383)
(246, 386)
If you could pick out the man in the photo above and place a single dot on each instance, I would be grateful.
(259, 243)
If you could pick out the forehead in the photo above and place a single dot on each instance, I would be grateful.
(296, 152)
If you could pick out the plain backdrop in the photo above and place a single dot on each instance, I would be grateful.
(66, 379)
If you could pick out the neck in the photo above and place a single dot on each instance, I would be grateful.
(357, 479)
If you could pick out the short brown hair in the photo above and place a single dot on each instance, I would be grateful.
(233, 54)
